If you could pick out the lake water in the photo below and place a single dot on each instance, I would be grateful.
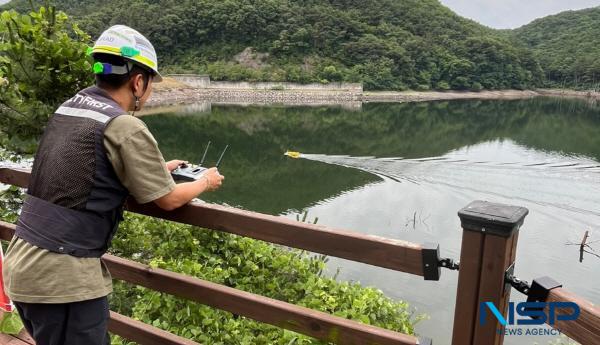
(404, 170)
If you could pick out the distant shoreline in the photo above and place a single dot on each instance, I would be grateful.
(420, 96)
(182, 94)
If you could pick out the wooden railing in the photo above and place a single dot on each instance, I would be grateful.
(488, 250)
(393, 254)
(586, 329)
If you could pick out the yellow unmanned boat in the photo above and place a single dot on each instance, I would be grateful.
(293, 154)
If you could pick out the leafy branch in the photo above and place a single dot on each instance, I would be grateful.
(42, 63)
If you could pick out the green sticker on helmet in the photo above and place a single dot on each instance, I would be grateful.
(98, 68)
(129, 52)
(89, 51)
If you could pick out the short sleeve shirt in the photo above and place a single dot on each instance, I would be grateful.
(36, 275)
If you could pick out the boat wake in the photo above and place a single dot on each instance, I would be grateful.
(572, 185)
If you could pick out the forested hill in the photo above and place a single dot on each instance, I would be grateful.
(568, 46)
(386, 44)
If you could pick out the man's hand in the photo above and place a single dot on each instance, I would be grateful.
(174, 164)
(184, 192)
(213, 178)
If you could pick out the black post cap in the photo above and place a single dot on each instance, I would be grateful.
(492, 218)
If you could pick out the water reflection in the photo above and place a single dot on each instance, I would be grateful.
(260, 178)
(403, 170)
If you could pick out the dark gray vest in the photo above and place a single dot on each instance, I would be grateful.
(74, 202)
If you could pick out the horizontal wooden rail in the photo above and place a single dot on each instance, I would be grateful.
(118, 324)
(584, 330)
(281, 314)
(142, 333)
(15, 177)
(6, 339)
(374, 250)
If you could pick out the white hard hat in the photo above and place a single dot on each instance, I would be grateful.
(126, 42)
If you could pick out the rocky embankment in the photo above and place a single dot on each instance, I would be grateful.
(190, 95)
(175, 94)
(421, 96)
(569, 93)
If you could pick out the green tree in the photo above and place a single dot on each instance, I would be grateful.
(421, 38)
(42, 62)
(566, 45)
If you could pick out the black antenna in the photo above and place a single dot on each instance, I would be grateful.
(204, 155)
(222, 154)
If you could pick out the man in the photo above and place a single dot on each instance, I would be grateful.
(91, 157)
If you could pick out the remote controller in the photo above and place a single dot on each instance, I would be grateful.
(188, 172)
(192, 172)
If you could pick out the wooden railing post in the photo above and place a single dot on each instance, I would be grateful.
(489, 243)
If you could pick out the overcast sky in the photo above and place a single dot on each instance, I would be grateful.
(510, 14)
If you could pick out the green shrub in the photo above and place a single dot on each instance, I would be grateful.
(11, 200)
(331, 73)
(246, 264)
(476, 87)
(443, 86)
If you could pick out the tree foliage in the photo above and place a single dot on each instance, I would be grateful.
(567, 46)
(386, 44)
(42, 62)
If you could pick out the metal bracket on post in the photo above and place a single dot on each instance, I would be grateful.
(432, 263)
(540, 288)
(509, 276)
(431, 259)
(510, 280)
